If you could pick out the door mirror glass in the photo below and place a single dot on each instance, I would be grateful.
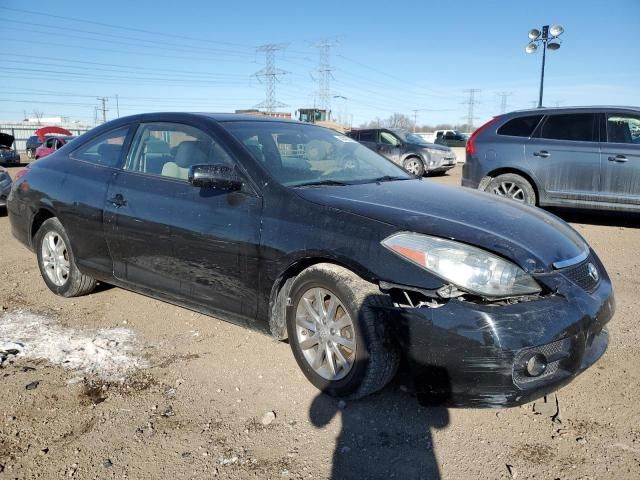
(218, 176)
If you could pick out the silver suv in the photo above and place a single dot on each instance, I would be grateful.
(585, 157)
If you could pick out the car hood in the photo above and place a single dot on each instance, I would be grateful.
(431, 146)
(6, 140)
(528, 236)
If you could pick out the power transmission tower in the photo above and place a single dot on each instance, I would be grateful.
(270, 75)
(503, 101)
(104, 101)
(472, 104)
(324, 74)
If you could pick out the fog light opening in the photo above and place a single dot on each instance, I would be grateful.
(536, 365)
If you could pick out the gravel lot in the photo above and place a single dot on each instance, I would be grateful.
(203, 398)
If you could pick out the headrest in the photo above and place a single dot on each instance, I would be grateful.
(156, 146)
(191, 153)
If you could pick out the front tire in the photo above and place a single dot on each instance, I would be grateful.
(57, 262)
(414, 166)
(513, 187)
(336, 333)
(29, 154)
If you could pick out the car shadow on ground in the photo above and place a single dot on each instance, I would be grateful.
(598, 217)
(386, 435)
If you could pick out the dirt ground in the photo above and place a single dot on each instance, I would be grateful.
(200, 407)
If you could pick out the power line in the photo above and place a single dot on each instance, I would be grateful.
(503, 100)
(472, 101)
(324, 74)
(270, 75)
(104, 101)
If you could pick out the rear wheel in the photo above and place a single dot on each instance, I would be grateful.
(337, 335)
(513, 187)
(57, 263)
(414, 166)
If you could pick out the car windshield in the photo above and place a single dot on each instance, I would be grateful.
(298, 154)
(410, 137)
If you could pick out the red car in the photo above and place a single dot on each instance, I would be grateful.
(51, 144)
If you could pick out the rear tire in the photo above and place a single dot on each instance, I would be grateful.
(513, 187)
(414, 166)
(57, 262)
(372, 359)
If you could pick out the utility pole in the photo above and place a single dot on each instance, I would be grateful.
(503, 101)
(472, 103)
(117, 106)
(324, 74)
(270, 75)
(104, 101)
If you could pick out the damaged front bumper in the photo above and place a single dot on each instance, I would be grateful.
(475, 355)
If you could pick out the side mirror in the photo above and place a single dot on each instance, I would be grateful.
(218, 176)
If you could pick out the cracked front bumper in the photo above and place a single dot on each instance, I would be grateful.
(471, 355)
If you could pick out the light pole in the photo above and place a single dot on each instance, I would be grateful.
(548, 39)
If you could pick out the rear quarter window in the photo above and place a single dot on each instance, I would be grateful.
(520, 127)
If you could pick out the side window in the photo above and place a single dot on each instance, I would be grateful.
(104, 150)
(388, 139)
(578, 127)
(169, 149)
(623, 128)
(369, 136)
(520, 127)
(50, 143)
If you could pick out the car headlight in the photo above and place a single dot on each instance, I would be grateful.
(469, 268)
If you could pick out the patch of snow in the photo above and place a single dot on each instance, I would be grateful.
(109, 353)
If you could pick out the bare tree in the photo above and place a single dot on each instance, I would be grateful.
(38, 116)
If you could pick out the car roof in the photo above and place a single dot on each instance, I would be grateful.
(576, 109)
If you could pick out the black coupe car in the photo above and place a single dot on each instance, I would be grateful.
(304, 233)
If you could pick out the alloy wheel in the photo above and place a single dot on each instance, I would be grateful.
(325, 334)
(413, 167)
(55, 258)
(510, 190)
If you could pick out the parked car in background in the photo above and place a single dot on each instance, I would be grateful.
(8, 156)
(583, 157)
(410, 151)
(32, 143)
(450, 138)
(341, 251)
(51, 144)
(5, 187)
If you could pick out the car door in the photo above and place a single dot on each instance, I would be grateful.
(621, 158)
(564, 156)
(390, 146)
(87, 174)
(197, 246)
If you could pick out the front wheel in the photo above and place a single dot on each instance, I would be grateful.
(57, 263)
(336, 333)
(414, 166)
(513, 187)
(29, 154)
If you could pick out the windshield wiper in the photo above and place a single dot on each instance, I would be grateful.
(320, 183)
(389, 178)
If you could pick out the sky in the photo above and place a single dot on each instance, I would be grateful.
(417, 58)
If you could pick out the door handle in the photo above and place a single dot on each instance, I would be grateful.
(619, 158)
(542, 153)
(118, 200)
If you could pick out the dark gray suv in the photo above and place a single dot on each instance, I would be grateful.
(413, 153)
(585, 157)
